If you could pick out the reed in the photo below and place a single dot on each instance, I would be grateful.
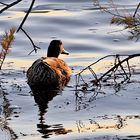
(131, 22)
(6, 43)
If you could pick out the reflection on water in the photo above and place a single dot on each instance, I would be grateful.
(51, 13)
(42, 98)
(85, 32)
(98, 124)
(12, 15)
(108, 123)
(5, 130)
(50, 130)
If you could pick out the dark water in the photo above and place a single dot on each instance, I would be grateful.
(87, 35)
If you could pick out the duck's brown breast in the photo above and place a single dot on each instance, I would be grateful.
(58, 65)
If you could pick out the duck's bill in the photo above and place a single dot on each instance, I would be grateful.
(65, 52)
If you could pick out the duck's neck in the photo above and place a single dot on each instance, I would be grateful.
(52, 55)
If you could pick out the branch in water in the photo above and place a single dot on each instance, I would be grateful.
(7, 6)
(3, 3)
(35, 48)
(136, 10)
(28, 12)
(114, 73)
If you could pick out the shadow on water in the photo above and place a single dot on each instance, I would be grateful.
(42, 97)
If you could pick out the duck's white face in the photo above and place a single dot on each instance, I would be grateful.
(63, 51)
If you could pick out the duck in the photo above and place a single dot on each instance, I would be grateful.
(50, 72)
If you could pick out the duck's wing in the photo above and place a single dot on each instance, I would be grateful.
(40, 72)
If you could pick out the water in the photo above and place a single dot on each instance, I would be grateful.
(87, 34)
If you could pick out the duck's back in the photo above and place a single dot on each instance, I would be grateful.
(49, 72)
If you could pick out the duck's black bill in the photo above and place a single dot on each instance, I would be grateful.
(65, 52)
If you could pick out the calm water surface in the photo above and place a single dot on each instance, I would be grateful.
(87, 35)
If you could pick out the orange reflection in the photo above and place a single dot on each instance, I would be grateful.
(126, 125)
(52, 13)
(12, 15)
(17, 63)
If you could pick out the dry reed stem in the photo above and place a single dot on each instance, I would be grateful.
(130, 21)
(6, 42)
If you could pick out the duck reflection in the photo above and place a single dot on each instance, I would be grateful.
(42, 98)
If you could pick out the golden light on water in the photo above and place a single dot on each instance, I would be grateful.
(51, 13)
(12, 15)
(17, 63)
(127, 127)
(16, 14)
(83, 61)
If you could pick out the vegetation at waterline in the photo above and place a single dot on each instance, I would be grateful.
(6, 42)
(131, 21)
(118, 73)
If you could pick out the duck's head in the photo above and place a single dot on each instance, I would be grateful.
(56, 48)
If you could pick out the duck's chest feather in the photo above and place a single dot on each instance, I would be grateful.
(57, 65)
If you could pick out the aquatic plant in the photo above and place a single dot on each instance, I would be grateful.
(6, 42)
(130, 21)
